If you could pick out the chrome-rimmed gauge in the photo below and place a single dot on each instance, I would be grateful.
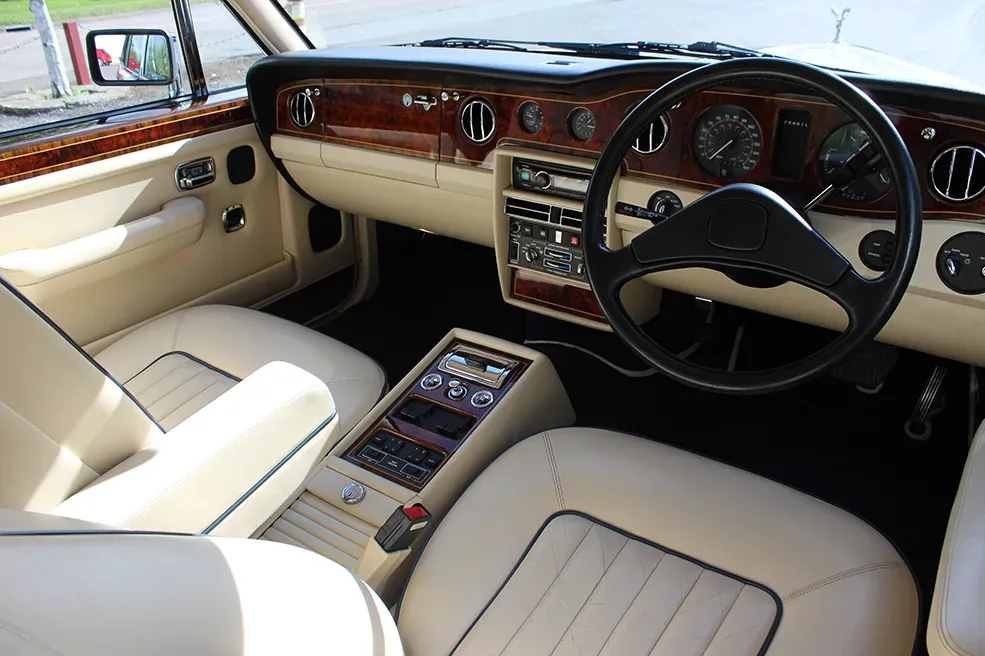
(582, 123)
(531, 117)
(727, 141)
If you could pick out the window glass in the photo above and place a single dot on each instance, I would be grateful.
(227, 49)
(31, 95)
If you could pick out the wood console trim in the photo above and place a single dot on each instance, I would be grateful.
(368, 114)
(557, 296)
(154, 127)
(390, 422)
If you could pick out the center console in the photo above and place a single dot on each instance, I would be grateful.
(468, 400)
(538, 239)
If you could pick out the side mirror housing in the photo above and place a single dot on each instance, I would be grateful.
(130, 57)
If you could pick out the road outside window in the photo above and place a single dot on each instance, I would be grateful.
(28, 98)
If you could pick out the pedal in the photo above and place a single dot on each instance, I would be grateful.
(930, 402)
(868, 367)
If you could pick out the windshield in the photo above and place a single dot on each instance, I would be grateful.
(932, 41)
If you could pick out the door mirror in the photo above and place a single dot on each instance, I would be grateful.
(130, 57)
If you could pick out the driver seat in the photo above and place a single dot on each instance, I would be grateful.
(585, 541)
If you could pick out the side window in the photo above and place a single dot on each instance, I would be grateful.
(226, 48)
(44, 75)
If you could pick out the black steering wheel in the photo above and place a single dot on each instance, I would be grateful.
(749, 227)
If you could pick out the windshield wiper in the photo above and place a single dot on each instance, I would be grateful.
(701, 49)
(464, 42)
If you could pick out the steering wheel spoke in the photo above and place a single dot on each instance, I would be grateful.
(751, 227)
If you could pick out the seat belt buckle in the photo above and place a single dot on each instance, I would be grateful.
(402, 527)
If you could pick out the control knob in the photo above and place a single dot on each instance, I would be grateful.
(952, 266)
(456, 390)
(531, 255)
(515, 228)
(542, 179)
(580, 269)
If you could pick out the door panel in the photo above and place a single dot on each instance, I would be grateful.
(120, 186)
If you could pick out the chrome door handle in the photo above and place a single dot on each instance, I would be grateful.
(194, 174)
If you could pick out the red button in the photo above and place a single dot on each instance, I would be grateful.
(415, 512)
(574, 240)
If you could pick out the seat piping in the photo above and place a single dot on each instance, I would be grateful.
(44, 317)
(266, 477)
(630, 536)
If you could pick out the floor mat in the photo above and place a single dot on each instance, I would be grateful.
(428, 285)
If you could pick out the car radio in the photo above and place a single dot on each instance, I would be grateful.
(551, 179)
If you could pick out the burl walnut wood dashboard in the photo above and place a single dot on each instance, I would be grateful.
(423, 428)
(425, 120)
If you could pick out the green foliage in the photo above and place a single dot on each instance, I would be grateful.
(16, 12)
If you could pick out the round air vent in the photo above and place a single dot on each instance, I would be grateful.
(478, 121)
(653, 137)
(958, 173)
(301, 108)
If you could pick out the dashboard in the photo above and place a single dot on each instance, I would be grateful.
(496, 147)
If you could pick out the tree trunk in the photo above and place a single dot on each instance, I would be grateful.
(52, 53)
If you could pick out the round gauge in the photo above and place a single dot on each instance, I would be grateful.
(582, 122)
(727, 141)
(838, 147)
(531, 117)
(666, 202)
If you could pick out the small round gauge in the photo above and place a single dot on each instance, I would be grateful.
(582, 122)
(531, 117)
(666, 202)
(838, 147)
(727, 141)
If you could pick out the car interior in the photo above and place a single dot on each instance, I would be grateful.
(476, 347)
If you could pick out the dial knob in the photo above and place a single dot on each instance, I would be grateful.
(531, 255)
(952, 266)
(542, 179)
(515, 228)
(580, 269)
(456, 390)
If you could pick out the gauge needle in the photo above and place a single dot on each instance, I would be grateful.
(719, 151)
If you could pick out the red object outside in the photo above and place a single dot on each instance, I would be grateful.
(77, 52)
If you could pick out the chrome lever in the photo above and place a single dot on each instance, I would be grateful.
(424, 101)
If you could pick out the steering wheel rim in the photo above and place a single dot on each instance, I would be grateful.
(872, 301)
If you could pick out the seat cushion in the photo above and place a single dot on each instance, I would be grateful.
(177, 364)
(583, 541)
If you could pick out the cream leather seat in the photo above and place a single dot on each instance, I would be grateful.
(576, 541)
(204, 420)
(583, 541)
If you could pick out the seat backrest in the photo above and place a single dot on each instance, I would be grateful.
(63, 420)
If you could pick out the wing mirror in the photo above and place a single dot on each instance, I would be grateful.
(133, 58)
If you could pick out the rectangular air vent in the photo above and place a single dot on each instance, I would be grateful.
(562, 216)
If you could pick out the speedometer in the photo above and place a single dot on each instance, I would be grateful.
(727, 141)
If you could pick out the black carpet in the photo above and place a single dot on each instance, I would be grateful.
(825, 438)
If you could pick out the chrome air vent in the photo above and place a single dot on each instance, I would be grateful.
(301, 109)
(653, 137)
(958, 173)
(478, 121)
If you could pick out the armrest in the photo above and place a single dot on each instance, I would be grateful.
(226, 468)
(955, 625)
(178, 224)
(133, 593)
